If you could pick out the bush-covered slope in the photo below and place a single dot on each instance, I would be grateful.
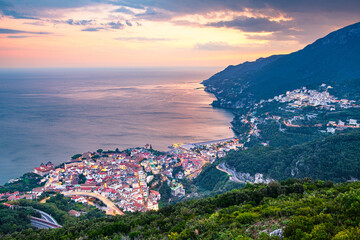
(26, 182)
(302, 208)
(335, 158)
(13, 220)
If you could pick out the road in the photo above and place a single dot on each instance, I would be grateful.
(114, 209)
(280, 129)
(45, 216)
(232, 173)
(46, 221)
(44, 200)
(41, 223)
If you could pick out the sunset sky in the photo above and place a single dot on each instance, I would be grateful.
(123, 33)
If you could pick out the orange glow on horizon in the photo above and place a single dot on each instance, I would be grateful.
(183, 41)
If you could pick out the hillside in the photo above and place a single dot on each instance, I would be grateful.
(335, 158)
(300, 209)
(334, 58)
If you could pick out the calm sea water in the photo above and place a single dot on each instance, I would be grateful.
(50, 115)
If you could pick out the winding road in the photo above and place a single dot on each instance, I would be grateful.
(47, 217)
(114, 210)
(42, 223)
(232, 173)
(45, 222)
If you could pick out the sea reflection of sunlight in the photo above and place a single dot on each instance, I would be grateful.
(100, 92)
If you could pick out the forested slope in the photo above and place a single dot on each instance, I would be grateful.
(303, 209)
(335, 158)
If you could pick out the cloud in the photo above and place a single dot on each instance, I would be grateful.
(142, 39)
(252, 24)
(284, 35)
(128, 23)
(201, 6)
(4, 4)
(92, 29)
(124, 10)
(14, 31)
(313, 17)
(16, 15)
(130, 4)
(80, 22)
(16, 36)
(36, 9)
(154, 15)
(186, 23)
(185, 7)
(50, 4)
(37, 23)
(116, 25)
(102, 26)
(215, 46)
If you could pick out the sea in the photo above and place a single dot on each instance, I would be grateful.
(52, 114)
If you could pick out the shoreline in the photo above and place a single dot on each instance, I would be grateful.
(126, 178)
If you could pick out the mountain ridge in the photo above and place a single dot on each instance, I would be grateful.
(335, 57)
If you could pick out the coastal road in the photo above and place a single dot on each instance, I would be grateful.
(114, 209)
(232, 173)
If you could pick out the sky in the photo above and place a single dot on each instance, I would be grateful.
(162, 33)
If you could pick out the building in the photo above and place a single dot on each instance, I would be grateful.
(352, 121)
(330, 130)
(74, 213)
(44, 169)
(177, 188)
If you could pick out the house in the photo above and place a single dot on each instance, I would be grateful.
(76, 163)
(330, 130)
(352, 121)
(74, 213)
(44, 169)
(177, 188)
(155, 195)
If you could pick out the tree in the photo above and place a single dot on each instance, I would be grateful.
(76, 156)
(82, 178)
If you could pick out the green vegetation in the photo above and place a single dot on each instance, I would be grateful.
(240, 87)
(347, 89)
(156, 152)
(58, 207)
(165, 193)
(318, 63)
(210, 177)
(82, 178)
(177, 169)
(15, 220)
(25, 183)
(302, 208)
(212, 181)
(336, 158)
(76, 156)
(290, 137)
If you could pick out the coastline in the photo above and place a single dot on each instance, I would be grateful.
(156, 106)
(126, 177)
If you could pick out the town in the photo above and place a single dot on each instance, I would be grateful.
(290, 112)
(129, 180)
(124, 180)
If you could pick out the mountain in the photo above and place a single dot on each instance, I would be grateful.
(333, 58)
